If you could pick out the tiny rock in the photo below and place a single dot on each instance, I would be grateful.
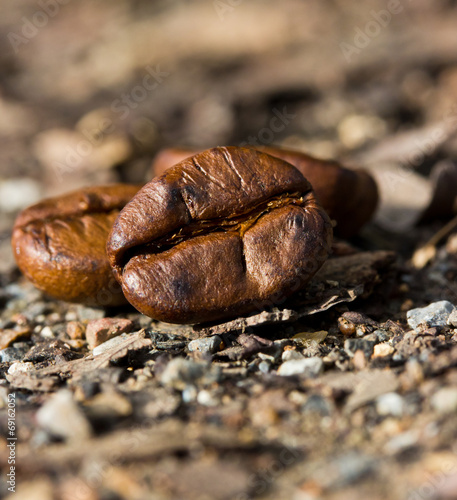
(309, 367)
(290, 354)
(101, 330)
(75, 330)
(444, 401)
(435, 314)
(209, 344)
(359, 360)
(11, 354)
(47, 333)
(20, 368)
(180, 372)
(62, 418)
(351, 346)
(8, 337)
(390, 404)
(318, 404)
(382, 350)
(452, 320)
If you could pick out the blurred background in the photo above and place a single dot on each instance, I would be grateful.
(91, 90)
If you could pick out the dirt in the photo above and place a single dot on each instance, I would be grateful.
(330, 395)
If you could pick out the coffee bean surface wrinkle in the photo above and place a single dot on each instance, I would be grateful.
(60, 244)
(349, 196)
(223, 233)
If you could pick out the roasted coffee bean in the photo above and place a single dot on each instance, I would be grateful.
(60, 244)
(348, 196)
(224, 233)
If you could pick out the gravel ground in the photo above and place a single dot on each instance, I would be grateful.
(346, 391)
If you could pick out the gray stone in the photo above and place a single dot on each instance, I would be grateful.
(381, 335)
(390, 404)
(444, 401)
(264, 366)
(61, 417)
(189, 394)
(435, 314)
(12, 354)
(317, 404)
(208, 344)
(309, 367)
(181, 372)
(351, 346)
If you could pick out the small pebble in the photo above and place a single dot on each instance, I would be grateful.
(47, 333)
(205, 398)
(309, 367)
(452, 320)
(435, 314)
(359, 360)
(290, 354)
(317, 404)
(208, 344)
(381, 335)
(75, 330)
(8, 337)
(444, 401)
(11, 354)
(264, 366)
(180, 372)
(62, 418)
(16, 368)
(189, 394)
(382, 350)
(101, 330)
(351, 346)
(71, 316)
(390, 403)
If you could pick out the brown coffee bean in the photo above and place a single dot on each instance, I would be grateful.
(60, 244)
(224, 233)
(348, 196)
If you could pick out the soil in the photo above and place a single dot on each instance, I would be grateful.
(330, 395)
